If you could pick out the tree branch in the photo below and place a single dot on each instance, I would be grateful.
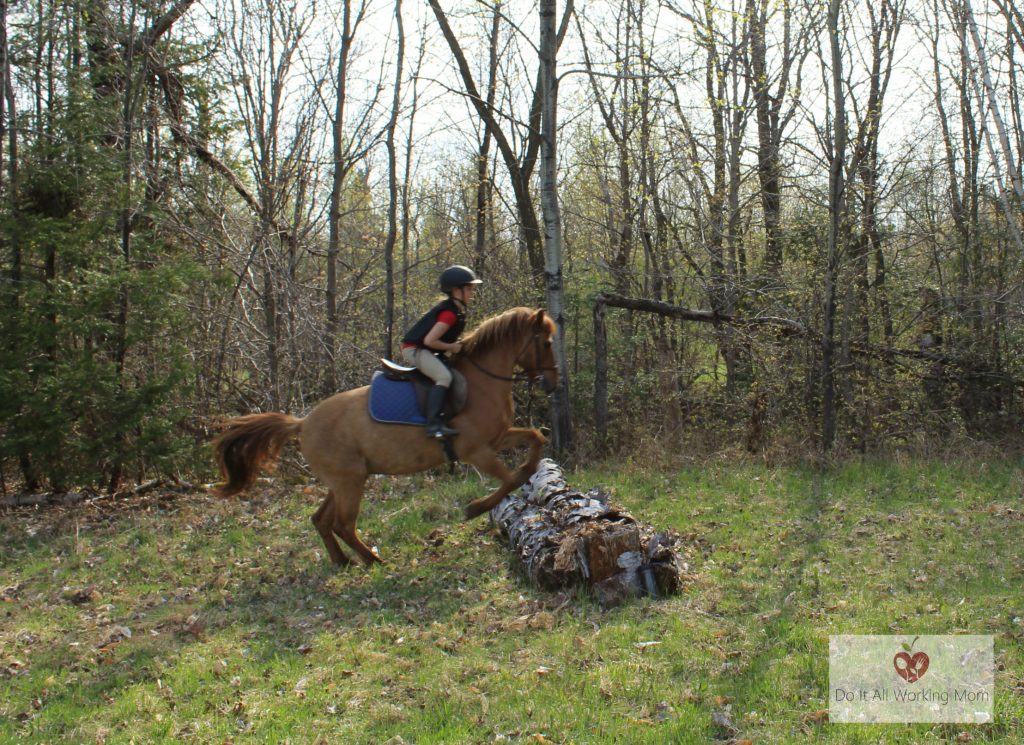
(789, 326)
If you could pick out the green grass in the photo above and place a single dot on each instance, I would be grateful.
(242, 632)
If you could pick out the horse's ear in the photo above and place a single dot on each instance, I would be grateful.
(538, 318)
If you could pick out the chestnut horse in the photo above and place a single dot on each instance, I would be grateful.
(343, 445)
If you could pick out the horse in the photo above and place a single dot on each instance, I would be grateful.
(343, 445)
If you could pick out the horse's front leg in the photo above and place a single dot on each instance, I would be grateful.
(487, 461)
(517, 437)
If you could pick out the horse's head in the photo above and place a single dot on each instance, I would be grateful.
(538, 356)
(521, 337)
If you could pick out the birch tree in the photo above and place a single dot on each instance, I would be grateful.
(553, 261)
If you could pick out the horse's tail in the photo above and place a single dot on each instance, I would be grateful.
(249, 443)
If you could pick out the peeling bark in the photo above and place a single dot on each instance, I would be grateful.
(564, 537)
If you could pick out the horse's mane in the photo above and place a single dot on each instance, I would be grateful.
(497, 330)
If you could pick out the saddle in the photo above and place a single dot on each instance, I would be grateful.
(398, 395)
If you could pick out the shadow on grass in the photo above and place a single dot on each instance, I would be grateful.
(795, 616)
(167, 571)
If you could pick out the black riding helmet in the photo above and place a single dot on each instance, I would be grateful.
(458, 276)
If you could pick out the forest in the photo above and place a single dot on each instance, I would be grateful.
(767, 225)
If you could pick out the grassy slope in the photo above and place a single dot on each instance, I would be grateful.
(241, 631)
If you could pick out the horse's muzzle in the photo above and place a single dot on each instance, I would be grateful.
(548, 384)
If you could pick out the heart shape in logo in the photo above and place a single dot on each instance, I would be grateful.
(910, 667)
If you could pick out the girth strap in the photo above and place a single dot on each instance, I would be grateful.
(449, 453)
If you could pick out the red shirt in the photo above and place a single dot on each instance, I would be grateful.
(446, 317)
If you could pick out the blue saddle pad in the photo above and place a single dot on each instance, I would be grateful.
(394, 401)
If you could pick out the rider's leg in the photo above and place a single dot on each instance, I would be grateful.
(437, 371)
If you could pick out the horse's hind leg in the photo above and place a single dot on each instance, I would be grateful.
(323, 519)
(348, 491)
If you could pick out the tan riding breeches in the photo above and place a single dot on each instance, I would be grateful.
(428, 364)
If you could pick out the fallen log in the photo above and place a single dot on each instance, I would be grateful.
(564, 537)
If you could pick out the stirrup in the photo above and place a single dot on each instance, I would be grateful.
(439, 431)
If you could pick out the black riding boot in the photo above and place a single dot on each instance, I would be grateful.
(435, 424)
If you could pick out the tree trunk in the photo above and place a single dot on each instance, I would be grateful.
(4, 71)
(392, 237)
(990, 97)
(771, 112)
(600, 373)
(10, 131)
(125, 222)
(1004, 142)
(338, 174)
(836, 209)
(407, 182)
(561, 421)
(483, 178)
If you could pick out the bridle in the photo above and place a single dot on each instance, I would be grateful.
(538, 371)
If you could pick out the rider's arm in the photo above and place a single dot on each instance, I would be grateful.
(433, 339)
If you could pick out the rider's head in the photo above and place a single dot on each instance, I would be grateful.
(460, 278)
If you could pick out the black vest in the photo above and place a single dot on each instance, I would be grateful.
(422, 327)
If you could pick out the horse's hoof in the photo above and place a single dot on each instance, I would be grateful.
(372, 558)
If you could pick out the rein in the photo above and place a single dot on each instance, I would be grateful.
(513, 378)
(488, 373)
(536, 339)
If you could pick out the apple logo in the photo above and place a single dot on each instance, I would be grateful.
(910, 666)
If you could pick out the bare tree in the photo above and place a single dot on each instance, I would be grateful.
(406, 197)
(265, 38)
(5, 73)
(553, 261)
(484, 185)
(345, 153)
(884, 22)
(775, 105)
(614, 94)
(836, 152)
(727, 92)
(980, 69)
(393, 197)
(519, 165)
(991, 99)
